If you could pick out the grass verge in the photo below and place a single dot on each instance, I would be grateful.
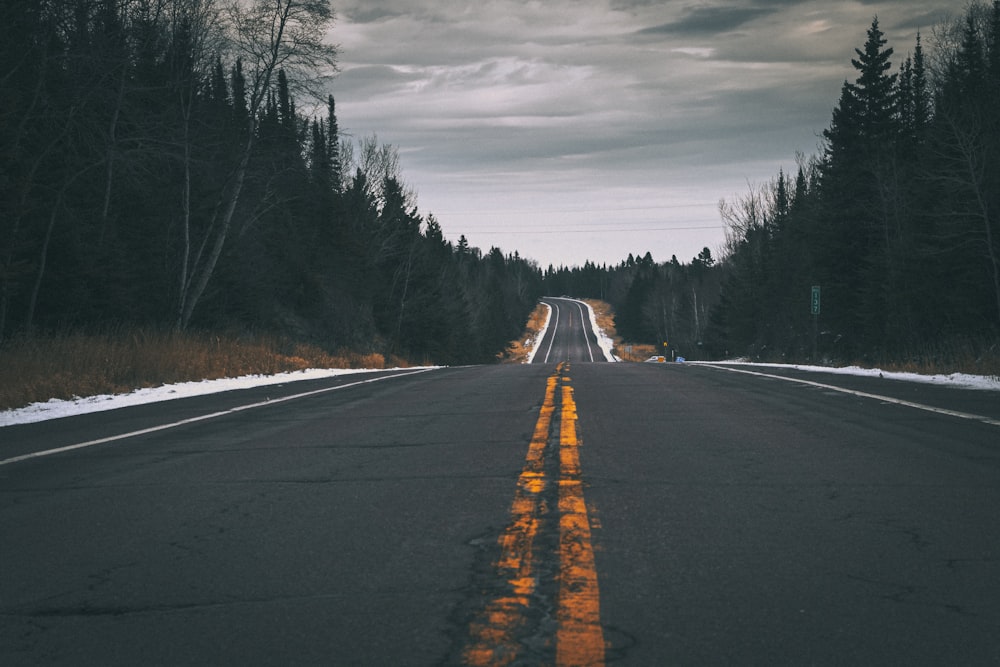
(70, 365)
(604, 313)
(518, 350)
(971, 356)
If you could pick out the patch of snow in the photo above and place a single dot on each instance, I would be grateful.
(57, 408)
(607, 345)
(958, 380)
(533, 344)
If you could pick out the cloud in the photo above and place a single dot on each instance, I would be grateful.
(704, 21)
(515, 105)
(369, 13)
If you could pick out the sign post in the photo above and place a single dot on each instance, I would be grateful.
(814, 304)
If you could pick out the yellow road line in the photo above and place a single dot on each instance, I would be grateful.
(492, 635)
(579, 638)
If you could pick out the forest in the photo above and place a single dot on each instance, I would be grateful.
(177, 164)
(174, 165)
(896, 221)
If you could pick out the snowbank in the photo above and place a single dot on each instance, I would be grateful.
(959, 380)
(607, 345)
(56, 408)
(541, 334)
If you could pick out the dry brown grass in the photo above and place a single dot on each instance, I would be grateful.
(605, 316)
(517, 350)
(624, 350)
(69, 365)
(975, 357)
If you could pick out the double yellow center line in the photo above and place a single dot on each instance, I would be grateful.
(495, 635)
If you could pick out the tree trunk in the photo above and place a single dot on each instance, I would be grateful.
(110, 170)
(29, 320)
(202, 274)
(260, 30)
(185, 228)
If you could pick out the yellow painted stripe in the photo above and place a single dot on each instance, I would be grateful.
(579, 638)
(492, 639)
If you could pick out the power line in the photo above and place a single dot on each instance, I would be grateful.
(592, 230)
(508, 211)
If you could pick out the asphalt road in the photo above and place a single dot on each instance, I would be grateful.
(569, 336)
(677, 514)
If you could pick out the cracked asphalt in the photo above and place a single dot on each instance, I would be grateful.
(735, 520)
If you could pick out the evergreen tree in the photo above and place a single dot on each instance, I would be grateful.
(897, 222)
(966, 138)
(333, 147)
(860, 186)
(874, 89)
(920, 95)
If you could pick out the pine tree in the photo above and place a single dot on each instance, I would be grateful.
(239, 93)
(920, 93)
(333, 147)
(862, 196)
(968, 139)
(875, 89)
(993, 48)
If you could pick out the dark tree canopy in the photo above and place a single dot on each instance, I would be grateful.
(158, 171)
(898, 220)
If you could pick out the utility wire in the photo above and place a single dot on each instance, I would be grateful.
(592, 230)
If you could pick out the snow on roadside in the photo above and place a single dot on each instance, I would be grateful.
(55, 408)
(541, 335)
(607, 345)
(958, 380)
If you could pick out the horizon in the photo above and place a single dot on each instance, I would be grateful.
(577, 133)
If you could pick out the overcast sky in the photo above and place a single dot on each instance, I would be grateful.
(573, 130)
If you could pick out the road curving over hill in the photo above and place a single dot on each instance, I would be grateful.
(570, 335)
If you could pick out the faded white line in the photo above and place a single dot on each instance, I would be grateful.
(583, 322)
(192, 420)
(555, 318)
(863, 394)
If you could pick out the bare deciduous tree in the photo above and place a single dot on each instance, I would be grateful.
(967, 159)
(266, 36)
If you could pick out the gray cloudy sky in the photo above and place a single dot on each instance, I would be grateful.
(571, 130)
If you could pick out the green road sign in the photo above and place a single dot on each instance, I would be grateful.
(815, 300)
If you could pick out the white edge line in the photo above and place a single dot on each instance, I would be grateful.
(554, 330)
(862, 394)
(541, 334)
(586, 337)
(609, 354)
(192, 420)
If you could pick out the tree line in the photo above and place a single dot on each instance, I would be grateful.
(165, 164)
(171, 163)
(654, 303)
(896, 221)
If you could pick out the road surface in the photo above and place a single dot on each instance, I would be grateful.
(569, 336)
(620, 514)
